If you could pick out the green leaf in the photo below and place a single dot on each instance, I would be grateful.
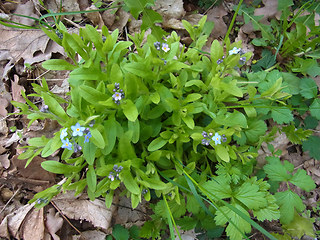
(269, 212)
(275, 170)
(296, 135)
(58, 64)
(303, 181)
(192, 97)
(137, 6)
(138, 69)
(110, 127)
(134, 127)
(231, 230)
(288, 202)
(157, 144)
(58, 168)
(91, 178)
(222, 153)
(300, 226)
(308, 88)
(282, 5)
(187, 223)
(281, 114)
(219, 187)
(55, 107)
(120, 233)
(315, 108)
(92, 95)
(89, 152)
(232, 119)
(312, 145)
(129, 182)
(38, 141)
(256, 128)
(130, 110)
(249, 194)
(97, 138)
(125, 149)
(87, 74)
(188, 120)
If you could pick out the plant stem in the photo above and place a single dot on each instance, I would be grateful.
(232, 21)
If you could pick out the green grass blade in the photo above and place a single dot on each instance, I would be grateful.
(232, 21)
(171, 221)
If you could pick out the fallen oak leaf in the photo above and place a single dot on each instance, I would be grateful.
(33, 227)
(10, 225)
(53, 223)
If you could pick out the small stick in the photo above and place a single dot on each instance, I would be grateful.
(10, 200)
(55, 206)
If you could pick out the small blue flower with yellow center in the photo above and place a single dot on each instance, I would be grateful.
(165, 47)
(217, 139)
(77, 130)
(234, 51)
(66, 144)
(87, 137)
(63, 133)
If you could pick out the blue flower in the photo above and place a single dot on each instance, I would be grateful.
(77, 130)
(157, 45)
(63, 133)
(217, 139)
(87, 137)
(165, 47)
(67, 144)
(234, 51)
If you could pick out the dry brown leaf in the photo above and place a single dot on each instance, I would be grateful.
(3, 126)
(270, 10)
(34, 169)
(27, 44)
(95, 17)
(12, 222)
(26, 9)
(109, 17)
(82, 209)
(215, 15)
(53, 223)
(121, 20)
(127, 216)
(92, 235)
(193, 19)
(170, 9)
(33, 227)
(16, 90)
(4, 161)
(68, 6)
(14, 138)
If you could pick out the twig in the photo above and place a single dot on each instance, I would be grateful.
(10, 200)
(55, 206)
(210, 7)
(72, 23)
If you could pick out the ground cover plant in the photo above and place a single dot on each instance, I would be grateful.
(175, 125)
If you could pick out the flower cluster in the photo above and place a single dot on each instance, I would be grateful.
(115, 175)
(77, 130)
(163, 46)
(220, 60)
(217, 138)
(118, 93)
(42, 200)
(44, 109)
